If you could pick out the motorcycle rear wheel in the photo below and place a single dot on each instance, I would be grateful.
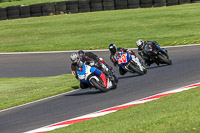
(114, 85)
(115, 78)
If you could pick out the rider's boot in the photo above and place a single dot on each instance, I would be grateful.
(147, 63)
(83, 85)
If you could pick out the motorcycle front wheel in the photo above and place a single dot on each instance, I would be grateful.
(164, 59)
(134, 67)
(98, 85)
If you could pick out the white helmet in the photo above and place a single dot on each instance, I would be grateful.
(74, 56)
(140, 43)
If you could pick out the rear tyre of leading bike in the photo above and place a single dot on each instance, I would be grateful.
(114, 85)
(115, 78)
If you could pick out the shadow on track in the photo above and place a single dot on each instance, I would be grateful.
(153, 67)
(136, 75)
(85, 93)
(91, 92)
(131, 76)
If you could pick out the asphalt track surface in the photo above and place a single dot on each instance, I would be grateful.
(185, 70)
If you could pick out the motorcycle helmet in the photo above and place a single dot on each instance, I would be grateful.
(112, 48)
(140, 43)
(81, 53)
(74, 56)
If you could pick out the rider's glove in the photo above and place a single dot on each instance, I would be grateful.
(91, 63)
(101, 59)
(126, 50)
(97, 64)
(132, 52)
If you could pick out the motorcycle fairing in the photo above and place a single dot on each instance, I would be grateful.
(100, 74)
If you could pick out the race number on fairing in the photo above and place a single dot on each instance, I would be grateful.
(122, 59)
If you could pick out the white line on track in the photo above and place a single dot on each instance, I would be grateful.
(110, 110)
(53, 52)
(39, 100)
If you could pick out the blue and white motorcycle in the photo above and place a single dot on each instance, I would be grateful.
(130, 63)
(95, 78)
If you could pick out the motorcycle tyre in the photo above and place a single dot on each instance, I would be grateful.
(145, 71)
(115, 79)
(166, 60)
(114, 82)
(114, 85)
(99, 86)
(133, 68)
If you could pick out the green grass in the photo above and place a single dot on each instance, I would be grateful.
(173, 25)
(27, 2)
(17, 91)
(177, 113)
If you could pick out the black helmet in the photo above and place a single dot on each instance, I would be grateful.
(80, 53)
(112, 48)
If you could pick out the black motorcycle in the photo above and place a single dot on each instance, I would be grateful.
(157, 54)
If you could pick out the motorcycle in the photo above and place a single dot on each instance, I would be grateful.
(157, 54)
(95, 78)
(130, 63)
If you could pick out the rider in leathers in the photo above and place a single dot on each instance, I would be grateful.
(79, 58)
(141, 46)
(99, 62)
(77, 63)
(113, 56)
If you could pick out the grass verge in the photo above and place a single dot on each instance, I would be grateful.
(176, 113)
(172, 25)
(17, 91)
